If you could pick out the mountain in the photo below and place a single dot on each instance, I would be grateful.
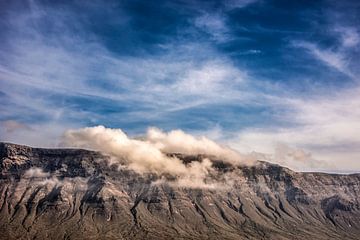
(80, 194)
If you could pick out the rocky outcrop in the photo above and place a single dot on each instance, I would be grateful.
(80, 194)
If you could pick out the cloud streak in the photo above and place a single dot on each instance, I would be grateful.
(336, 60)
(329, 128)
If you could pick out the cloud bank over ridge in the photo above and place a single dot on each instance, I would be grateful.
(154, 152)
(148, 154)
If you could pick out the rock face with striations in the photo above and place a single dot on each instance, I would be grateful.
(78, 194)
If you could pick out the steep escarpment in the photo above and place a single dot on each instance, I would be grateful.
(80, 194)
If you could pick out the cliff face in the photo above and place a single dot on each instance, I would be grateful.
(79, 194)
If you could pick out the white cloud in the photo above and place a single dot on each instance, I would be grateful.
(177, 141)
(328, 128)
(334, 59)
(233, 4)
(349, 36)
(210, 79)
(164, 82)
(43, 72)
(36, 172)
(189, 74)
(214, 24)
(148, 155)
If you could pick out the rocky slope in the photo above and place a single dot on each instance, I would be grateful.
(79, 194)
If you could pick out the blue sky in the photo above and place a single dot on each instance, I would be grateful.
(280, 78)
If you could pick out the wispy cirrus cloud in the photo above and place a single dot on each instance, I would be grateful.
(215, 25)
(11, 126)
(43, 70)
(349, 36)
(334, 59)
(325, 132)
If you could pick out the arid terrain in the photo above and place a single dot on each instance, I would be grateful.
(80, 194)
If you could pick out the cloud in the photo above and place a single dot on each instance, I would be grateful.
(37, 176)
(36, 172)
(210, 79)
(334, 59)
(349, 36)
(294, 158)
(11, 126)
(41, 88)
(61, 70)
(177, 141)
(213, 24)
(234, 4)
(341, 54)
(141, 156)
(324, 133)
(148, 155)
(322, 129)
(197, 177)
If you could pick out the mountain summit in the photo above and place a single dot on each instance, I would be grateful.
(82, 194)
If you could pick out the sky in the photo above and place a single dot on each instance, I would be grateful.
(277, 79)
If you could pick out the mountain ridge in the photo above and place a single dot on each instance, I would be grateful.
(80, 194)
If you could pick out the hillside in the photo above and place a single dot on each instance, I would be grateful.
(81, 194)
